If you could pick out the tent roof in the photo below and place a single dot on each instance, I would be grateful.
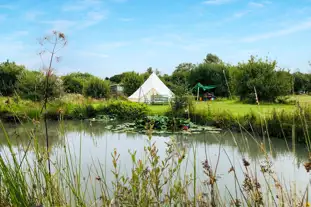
(204, 88)
(152, 83)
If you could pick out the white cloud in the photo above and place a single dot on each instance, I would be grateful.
(92, 18)
(64, 25)
(126, 19)
(289, 30)
(252, 7)
(12, 50)
(255, 4)
(81, 5)
(216, 2)
(112, 45)
(157, 42)
(16, 35)
(93, 54)
(96, 16)
(2, 17)
(6, 6)
(241, 13)
(61, 24)
(33, 15)
(119, 1)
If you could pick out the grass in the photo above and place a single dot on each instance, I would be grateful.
(70, 106)
(237, 108)
(281, 120)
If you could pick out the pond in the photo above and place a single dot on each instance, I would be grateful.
(92, 145)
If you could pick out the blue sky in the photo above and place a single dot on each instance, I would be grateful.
(106, 37)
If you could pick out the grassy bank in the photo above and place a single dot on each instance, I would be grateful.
(240, 109)
(69, 107)
(279, 120)
(276, 120)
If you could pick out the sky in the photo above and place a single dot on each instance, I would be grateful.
(107, 37)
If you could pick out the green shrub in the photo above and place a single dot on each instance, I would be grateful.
(131, 82)
(84, 112)
(72, 85)
(124, 110)
(212, 74)
(74, 82)
(182, 102)
(9, 74)
(262, 76)
(285, 100)
(31, 85)
(97, 88)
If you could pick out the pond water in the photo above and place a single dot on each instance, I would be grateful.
(94, 145)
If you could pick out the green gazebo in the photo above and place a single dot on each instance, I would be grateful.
(199, 87)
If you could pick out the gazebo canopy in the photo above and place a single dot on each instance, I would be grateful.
(204, 88)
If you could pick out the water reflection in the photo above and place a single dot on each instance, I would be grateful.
(95, 144)
(246, 144)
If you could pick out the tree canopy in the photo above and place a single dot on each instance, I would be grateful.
(261, 76)
(74, 82)
(212, 58)
(97, 88)
(131, 82)
(211, 74)
(242, 80)
(9, 75)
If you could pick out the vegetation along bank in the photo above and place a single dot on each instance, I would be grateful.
(255, 95)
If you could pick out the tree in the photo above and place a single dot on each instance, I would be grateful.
(74, 82)
(116, 78)
(55, 89)
(301, 82)
(182, 72)
(30, 85)
(131, 82)
(9, 75)
(212, 74)
(149, 70)
(262, 76)
(212, 58)
(97, 88)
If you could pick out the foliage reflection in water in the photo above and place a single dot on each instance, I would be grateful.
(208, 162)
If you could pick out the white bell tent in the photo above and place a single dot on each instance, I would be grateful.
(153, 86)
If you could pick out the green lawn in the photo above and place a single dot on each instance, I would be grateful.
(238, 108)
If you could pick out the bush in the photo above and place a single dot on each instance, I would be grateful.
(72, 85)
(181, 102)
(285, 100)
(212, 74)
(97, 88)
(131, 82)
(124, 110)
(9, 74)
(84, 112)
(262, 76)
(31, 85)
(74, 82)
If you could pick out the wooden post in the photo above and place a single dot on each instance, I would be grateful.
(198, 93)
